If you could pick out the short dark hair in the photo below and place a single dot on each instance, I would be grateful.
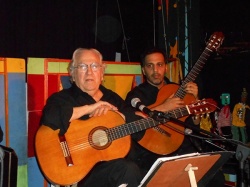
(149, 52)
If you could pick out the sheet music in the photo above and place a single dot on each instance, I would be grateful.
(163, 159)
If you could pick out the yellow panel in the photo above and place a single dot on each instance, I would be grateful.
(15, 65)
(1, 66)
(119, 84)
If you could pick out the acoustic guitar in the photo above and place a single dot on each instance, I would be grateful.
(66, 159)
(169, 141)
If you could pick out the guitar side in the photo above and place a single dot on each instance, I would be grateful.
(84, 156)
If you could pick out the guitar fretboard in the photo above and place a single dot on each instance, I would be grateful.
(200, 107)
(130, 128)
(180, 112)
(140, 125)
(191, 76)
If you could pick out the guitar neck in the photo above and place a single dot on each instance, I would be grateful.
(200, 107)
(191, 76)
(178, 113)
(130, 128)
(140, 125)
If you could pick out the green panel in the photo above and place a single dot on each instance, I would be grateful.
(22, 179)
(58, 67)
(123, 69)
(35, 66)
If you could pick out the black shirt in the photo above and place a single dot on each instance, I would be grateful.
(59, 106)
(146, 92)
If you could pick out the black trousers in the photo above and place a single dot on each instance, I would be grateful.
(112, 174)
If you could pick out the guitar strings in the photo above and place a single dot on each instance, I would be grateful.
(111, 134)
(194, 72)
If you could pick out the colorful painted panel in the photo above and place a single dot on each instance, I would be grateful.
(13, 111)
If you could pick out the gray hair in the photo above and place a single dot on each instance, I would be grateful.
(76, 56)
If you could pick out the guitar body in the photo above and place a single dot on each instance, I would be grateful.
(165, 143)
(84, 156)
(166, 91)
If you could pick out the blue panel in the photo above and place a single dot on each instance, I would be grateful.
(138, 79)
(17, 115)
(35, 177)
(2, 107)
(65, 81)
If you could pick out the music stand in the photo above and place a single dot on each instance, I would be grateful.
(184, 170)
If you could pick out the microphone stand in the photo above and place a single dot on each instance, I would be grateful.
(242, 154)
(2, 165)
(242, 151)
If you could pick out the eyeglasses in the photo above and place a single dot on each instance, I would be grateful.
(84, 67)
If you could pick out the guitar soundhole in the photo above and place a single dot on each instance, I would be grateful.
(98, 138)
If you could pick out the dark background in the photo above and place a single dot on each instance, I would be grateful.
(55, 28)
(228, 70)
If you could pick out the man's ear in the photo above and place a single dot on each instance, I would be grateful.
(104, 66)
(143, 72)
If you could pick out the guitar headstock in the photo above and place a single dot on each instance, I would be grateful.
(203, 106)
(215, 41)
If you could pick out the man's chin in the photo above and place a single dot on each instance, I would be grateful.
(156, 83)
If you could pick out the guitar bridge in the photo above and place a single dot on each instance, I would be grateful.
(65, 150)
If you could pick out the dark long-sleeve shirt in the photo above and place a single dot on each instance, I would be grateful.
(146, 92)
(59, 106)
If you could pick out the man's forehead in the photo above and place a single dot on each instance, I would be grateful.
(149, 62)
(89, 58)
(155, 58)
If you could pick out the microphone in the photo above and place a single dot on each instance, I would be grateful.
(156, 115)
(136, 103)
(188, 131)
